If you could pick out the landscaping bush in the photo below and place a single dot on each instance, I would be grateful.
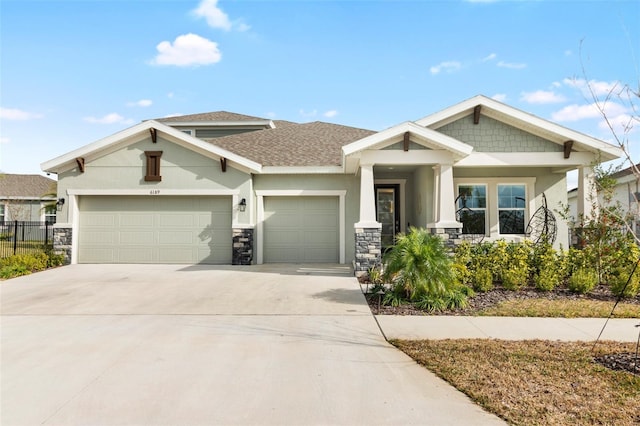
(547, 267)
(418, 264)
(618, 282)
(482, 280)
(23, 264)
(583, 280)
(514, 278)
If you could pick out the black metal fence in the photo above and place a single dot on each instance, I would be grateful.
(21, 237)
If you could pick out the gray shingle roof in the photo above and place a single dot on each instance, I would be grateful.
(291, 144)
(210, 116)
(31, 186)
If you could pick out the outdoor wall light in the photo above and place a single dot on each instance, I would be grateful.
(59, 204)
(243, 205)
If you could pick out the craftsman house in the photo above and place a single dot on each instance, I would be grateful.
(26, 198)
(226, 188)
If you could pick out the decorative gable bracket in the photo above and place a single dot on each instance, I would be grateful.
(567, 149)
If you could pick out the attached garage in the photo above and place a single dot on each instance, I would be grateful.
(300, 229)
(155, 229)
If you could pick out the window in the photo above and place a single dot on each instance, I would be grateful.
(472, 208)
(153, 166)
(2, 214)
(49, 210)
(511, 208)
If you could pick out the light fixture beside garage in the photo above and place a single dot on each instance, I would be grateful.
(59, 204)
(242, 206)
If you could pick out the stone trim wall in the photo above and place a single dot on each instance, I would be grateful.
(368, 250)
(450, 236)
(62, 243)
(242, 246)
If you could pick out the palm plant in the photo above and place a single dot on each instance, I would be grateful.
(418, 264)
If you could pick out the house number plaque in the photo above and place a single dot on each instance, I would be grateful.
(154, 192)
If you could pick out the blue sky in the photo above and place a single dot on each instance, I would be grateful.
(72, 72)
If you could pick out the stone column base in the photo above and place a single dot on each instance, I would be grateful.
(368, 250)
(450, 236)
(62, 243)
(242, 246)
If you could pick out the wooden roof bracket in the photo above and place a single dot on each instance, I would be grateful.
(567, 149)
(223, 164)
(154, 135)
(476, 114)
(405, 141)
(80, 162)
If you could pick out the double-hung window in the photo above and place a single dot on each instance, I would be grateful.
(512, 203)
(472, 208)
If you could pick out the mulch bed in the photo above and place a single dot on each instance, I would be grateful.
(620, 361)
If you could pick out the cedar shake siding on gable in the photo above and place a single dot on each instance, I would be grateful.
(294, 145)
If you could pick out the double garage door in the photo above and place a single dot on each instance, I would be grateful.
(155, 229)
(301, 230)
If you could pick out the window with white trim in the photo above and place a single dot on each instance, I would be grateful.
(512, 201)
(472, 208)
(49, 212)
(2, 214)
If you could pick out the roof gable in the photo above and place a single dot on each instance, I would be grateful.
(134, 134)
(522, 120)
(214, 116)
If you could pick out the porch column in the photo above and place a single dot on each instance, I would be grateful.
(367, 198)
(587, 194)
(444, 198)
(368, 249)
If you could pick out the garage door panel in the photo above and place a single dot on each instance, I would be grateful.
(136, 237)
(301, 229)
(132, 229)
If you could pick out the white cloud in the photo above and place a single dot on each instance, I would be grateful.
(511, 65)
(215, 17)
(589, 111)
(187, 50)
(330, 113)
(568, 52)
(15, 114)
(170, 95)
(308, 114)
(113, 118)
(4, 140)
(621, 124)
(140, 103)
(490, 57)
(447, 66)
(500, 97)
(599, 88)
(241, 26)
(542, 97)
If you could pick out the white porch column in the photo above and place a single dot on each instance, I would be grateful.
(367, 199)
(587, 194)
(444, 198)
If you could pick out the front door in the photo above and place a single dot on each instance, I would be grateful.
(388, 212)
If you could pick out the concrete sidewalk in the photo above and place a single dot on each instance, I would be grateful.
(507, 328)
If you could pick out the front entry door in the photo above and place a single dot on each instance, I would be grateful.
(388, 212)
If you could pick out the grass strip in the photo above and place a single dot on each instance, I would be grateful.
(535, 382)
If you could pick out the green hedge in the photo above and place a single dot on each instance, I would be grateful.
(24, 264)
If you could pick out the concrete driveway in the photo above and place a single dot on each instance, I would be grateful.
(204, 345)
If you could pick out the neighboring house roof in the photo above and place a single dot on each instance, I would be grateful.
(524, 121)
(210, 116)
(26, 186)
(294, 145)
(625, 172)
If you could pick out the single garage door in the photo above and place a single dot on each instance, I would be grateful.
(155, 229)
(301, 230)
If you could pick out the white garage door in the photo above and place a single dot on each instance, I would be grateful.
(160, 229)
(301, 229)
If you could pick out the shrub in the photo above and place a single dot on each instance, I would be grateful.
(419, 264)
(11, 271)
(514, 278)
(456, 298)
(482, 280)
(583, 280)
(22, 264)
(618, 282)
(547, 279)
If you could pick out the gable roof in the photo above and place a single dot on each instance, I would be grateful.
(294, 145)
(524, 121)
(26, 186)
(134, 134)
